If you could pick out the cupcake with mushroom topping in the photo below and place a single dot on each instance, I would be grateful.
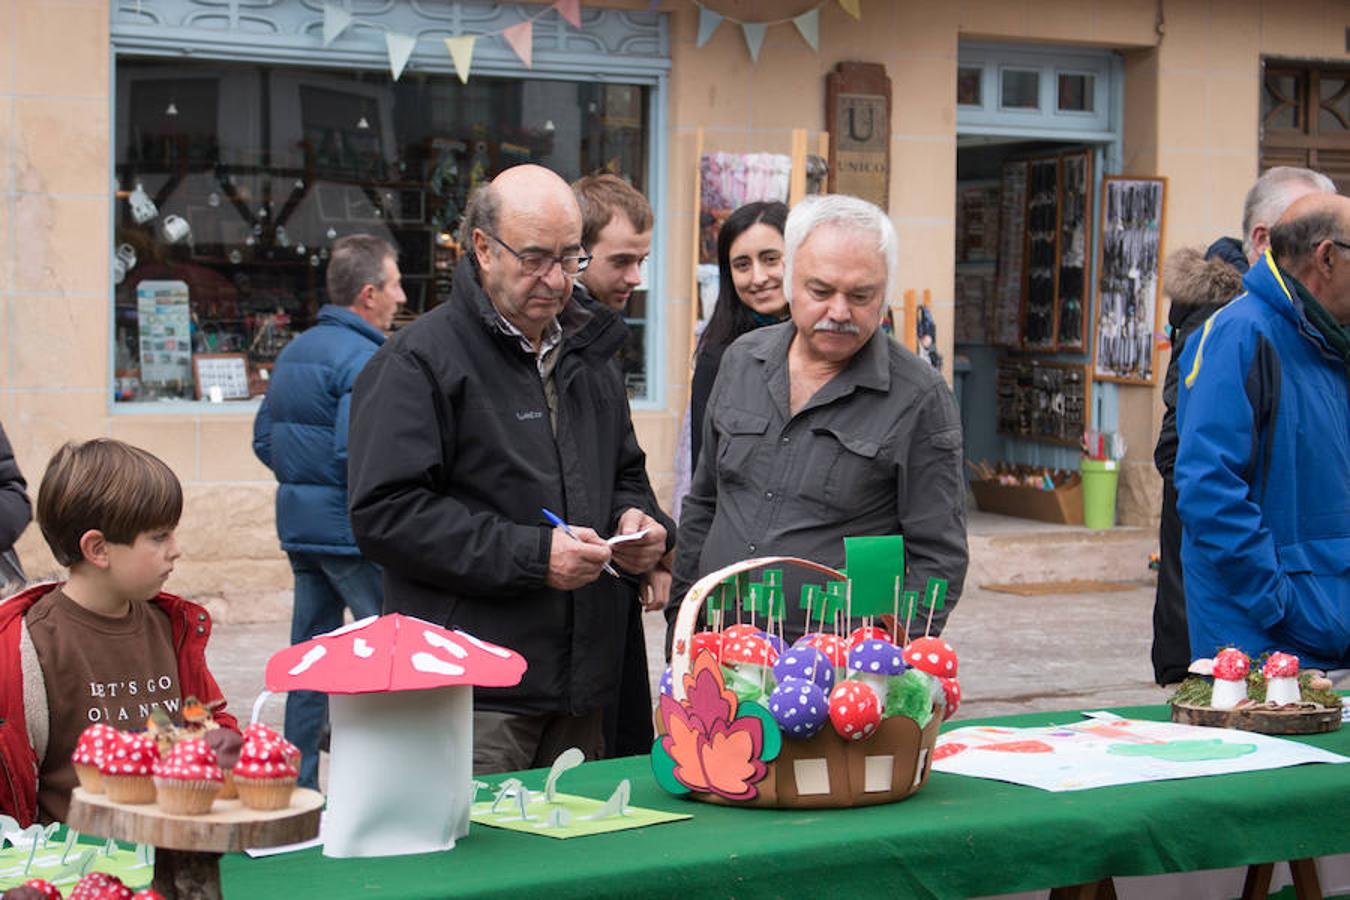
(127, 769)
(188, 779)
(95, 742)
(264, 775)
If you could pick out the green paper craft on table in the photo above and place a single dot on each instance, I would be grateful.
(65, 856)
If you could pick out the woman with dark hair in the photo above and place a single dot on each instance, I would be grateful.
(749, 295)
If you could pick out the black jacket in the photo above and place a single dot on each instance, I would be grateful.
(16, 511)
(1199, 287)
(451, 459)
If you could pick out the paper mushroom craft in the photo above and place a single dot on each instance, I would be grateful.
(401, 708)
(1230, 678)
(1281, 672)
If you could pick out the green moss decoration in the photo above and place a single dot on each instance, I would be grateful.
(909, 695)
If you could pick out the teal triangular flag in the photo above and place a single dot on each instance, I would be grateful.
(754, 37)
(707, 24)
(808, 26)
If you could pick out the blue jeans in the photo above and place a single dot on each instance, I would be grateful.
(324, 586)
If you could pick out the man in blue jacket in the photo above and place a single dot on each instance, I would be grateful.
(301, 435)
(1263, 464)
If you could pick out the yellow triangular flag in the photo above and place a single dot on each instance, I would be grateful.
(853, 8)
(461, 54)
(521, 39)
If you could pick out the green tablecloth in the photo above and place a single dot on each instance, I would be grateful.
(957, 837)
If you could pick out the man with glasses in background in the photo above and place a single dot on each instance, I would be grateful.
(491, 408)
(1263, 462)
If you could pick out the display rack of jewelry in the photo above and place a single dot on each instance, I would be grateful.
(1129, 278)
(1042, 401)
(1005, 324)
(1075, 224)
(1038, 298)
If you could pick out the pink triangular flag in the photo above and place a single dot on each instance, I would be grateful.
(521, 39)
(571, 11)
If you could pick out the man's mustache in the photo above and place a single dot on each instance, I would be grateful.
(836, 327)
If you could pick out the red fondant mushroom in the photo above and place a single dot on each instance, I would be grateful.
(1230, 678)
(1281, 671)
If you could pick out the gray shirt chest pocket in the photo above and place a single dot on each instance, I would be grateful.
(845, 473)
(740, 434)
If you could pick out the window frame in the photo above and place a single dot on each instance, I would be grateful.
(191, 31)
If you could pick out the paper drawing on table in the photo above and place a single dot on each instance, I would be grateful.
(64, 863)
(1111, 751)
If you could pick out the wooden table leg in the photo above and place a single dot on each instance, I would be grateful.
(1306, 884)
(185, 875)
(1257, 885)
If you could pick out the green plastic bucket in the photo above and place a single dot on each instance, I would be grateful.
(1099, 492)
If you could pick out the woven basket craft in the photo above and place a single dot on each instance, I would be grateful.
(823, 771)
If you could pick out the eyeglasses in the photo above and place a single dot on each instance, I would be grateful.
(536, 264)
(1342, 244)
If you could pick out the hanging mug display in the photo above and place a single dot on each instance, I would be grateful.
(124, 260)
(143, 209)
(176, 229)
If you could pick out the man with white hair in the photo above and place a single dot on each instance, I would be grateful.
(822, 427)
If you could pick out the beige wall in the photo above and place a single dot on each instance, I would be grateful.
(1191, 114)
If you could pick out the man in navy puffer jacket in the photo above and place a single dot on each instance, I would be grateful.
(301, 435)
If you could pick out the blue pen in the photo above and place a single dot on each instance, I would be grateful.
(557, 522)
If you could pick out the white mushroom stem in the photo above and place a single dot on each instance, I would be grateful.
(875, 682)
(1282, 690)
(1228, 693)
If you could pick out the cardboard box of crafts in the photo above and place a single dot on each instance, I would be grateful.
(1063, 505)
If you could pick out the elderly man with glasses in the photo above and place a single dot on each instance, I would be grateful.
(470, 424)
(1263, 463)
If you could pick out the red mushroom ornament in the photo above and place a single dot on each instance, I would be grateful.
(1230, 678)
(401, 708)
(1281, 672)
(854, 710)
(951, 694)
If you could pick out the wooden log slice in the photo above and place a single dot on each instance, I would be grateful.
(229, 827)
(1261, 719)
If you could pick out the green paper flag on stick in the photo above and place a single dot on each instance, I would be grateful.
(873, 564)
(935, 592)
(775, 600)
(759, 598)
(810, 597)
(773, 577)
(909, 602)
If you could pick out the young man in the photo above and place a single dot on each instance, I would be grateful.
(301, 435)
(106, 646)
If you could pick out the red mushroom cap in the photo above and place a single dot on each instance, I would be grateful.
(752, 649)
(100, 886)
(1231, 665)
(868, 633)
(47, 889)
(706, 640)
(147, 894)
(1280, 665)
(855, 710)
(392, 653)
(932, 655)
(834, 647)
(740, 630)
(951, 690)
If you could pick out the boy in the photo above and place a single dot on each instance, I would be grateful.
(105, 646)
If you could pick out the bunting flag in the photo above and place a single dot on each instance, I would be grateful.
(400, 49)
(461, 54)
(521, 39)
(571, 11)
(707, 24)
(853, 8)
(754, 37)
(808, 26)
(335, 21)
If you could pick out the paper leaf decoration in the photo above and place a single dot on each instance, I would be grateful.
(707, 24)
(570, 10)
(400, 48)
(808, 26)
(335, 21)
(461, 54)
(705, 745)
(521, 39)
(853, 8)
(391, 653)
(754, 37)
(567, 760)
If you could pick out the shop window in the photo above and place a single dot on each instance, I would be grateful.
(969, 86)
(234, 180)
(1075, 92)
(1021, 89)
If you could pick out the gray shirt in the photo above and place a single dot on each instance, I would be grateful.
(877, 450)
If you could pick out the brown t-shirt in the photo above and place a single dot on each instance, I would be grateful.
(97, 669)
